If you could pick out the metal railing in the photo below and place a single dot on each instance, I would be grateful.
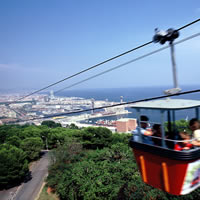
(174, 141)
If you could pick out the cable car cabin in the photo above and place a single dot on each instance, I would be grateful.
(176, 172)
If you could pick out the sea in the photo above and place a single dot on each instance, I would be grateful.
(133, 94)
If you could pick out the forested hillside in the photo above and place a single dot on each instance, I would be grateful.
(89, 163)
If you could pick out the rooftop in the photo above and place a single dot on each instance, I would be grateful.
(168, 104)
(125, 119)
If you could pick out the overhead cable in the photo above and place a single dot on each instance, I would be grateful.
(101, 63)
(189, 24)
(129, 62)
(85, 70)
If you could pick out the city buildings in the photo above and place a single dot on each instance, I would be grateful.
(126, 125)
(49, 106)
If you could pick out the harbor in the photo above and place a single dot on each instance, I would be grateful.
(48, 106)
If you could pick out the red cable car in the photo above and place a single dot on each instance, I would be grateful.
(176, 172)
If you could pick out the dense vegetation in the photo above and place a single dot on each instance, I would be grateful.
(19, 145)
(89, 163)
(13, 165)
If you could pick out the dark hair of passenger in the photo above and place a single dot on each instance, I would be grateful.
(156, 126)
(192, 121)
(144, 118)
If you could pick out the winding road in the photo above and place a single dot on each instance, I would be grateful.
(30, 189)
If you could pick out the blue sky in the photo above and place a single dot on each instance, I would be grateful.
(43, 41)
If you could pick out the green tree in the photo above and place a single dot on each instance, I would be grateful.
(51, 124)
(32, 147)
(44, 131)
(120, 138)
(14, 140)
(100, 174)
(60, 158)
(7, 131)
(13, 165)
(3, 134)
(57, 136)
(30, 131)
(44, 135)
(93, 138)
(72, 126)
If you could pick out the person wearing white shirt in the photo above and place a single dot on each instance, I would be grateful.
(144, 129)
(195, 127)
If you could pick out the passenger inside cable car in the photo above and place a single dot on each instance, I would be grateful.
(195, 127)
(184, 143)
(157, 133)
(144, 129)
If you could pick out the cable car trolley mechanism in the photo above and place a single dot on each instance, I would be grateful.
(176, 172)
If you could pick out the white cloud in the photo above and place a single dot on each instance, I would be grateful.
(17, 67)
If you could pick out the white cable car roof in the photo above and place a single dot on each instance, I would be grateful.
(167, 104)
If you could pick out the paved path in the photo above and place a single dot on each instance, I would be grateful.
(8, 194)
(29, 190)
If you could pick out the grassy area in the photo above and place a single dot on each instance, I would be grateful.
(45, 196)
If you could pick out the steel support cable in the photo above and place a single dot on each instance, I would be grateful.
(189, 24)
(101, 63)
(85, 70)
(115, 105)
(129, 62)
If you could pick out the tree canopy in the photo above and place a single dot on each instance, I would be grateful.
(32, 146)
(89, 163)
(51, 124)
(93, 138)
(103, 169)
(13, 165)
